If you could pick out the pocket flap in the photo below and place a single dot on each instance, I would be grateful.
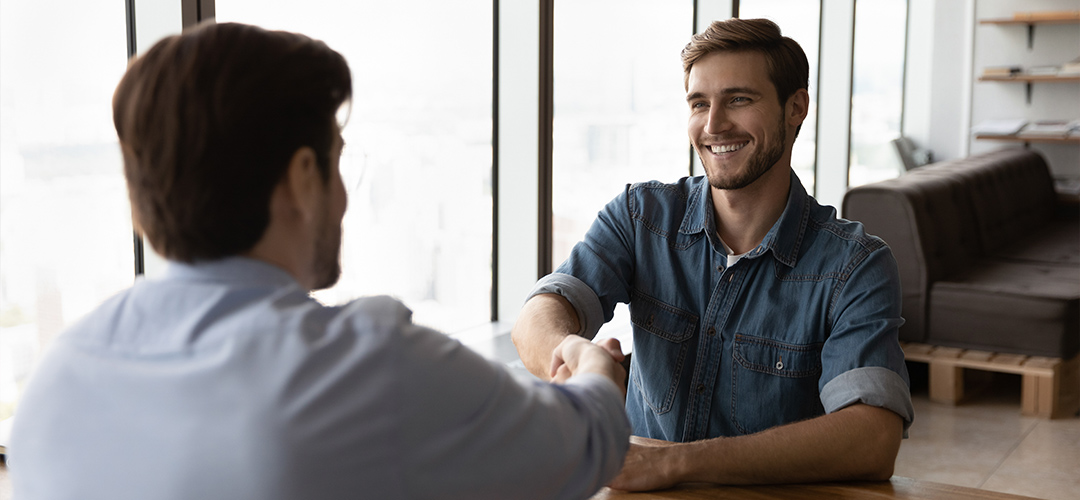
(777, 358)
(660, 319)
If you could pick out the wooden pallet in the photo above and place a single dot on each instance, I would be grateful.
(1050, 386)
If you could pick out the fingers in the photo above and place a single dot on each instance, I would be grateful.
(566, 352)
(576, 354)
(562, 375)
(613, 347)
(644, 441)
(557, 361)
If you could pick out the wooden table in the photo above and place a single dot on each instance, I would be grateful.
(897, 487)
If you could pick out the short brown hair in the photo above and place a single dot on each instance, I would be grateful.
(208, 121)
(788, 67)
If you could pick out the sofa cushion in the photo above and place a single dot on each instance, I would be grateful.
(1015, 307)
(1057, 242)
(1011, 191)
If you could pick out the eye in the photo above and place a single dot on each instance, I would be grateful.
(740, 100)
(697, 105)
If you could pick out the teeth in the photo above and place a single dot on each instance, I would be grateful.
(729, 148)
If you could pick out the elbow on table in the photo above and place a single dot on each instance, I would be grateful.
(880, 471)
(879, 457)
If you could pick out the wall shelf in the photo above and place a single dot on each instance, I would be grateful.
(1030, 78)
(1017, 138)
(1032, 22)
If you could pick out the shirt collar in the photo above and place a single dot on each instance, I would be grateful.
(783, 238)
(233, 270)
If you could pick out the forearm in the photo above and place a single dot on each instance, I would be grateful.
(857, 443)
(544, 322)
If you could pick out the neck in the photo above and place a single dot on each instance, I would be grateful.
(744, 216)
(283, 247)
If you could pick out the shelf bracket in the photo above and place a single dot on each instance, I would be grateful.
(1028, 93)
(1031, 36)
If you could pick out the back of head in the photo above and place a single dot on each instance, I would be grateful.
(788, 67)
(208, 121)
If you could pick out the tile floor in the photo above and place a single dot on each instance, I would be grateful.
(985, 443)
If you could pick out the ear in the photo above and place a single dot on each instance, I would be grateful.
(798, 105)
(305, 184)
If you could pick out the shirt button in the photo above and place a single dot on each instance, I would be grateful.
(712, 331)
(701, 388)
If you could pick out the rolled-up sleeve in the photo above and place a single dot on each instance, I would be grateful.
(871, 385)
(589, 311)
(599, 272)
(862, 361)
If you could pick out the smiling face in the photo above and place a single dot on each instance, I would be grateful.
(737, 124)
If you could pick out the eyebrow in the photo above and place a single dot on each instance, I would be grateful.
(727, 91)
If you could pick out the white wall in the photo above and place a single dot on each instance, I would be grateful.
(1007, 45)
(947, 51)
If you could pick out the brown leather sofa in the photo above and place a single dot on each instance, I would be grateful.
(989, 257)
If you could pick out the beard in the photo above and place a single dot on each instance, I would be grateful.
(763, 160)
(327, 265)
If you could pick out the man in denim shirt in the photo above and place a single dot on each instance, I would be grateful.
(765, 329)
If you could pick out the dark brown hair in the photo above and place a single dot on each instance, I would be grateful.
(788, 68)
(208, 121)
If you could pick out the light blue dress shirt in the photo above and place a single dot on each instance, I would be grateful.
(226, 380)
(804, 324)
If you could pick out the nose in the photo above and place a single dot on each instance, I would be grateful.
(718, 121)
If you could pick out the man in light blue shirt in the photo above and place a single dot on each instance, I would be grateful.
(765, 329)
(225, 379)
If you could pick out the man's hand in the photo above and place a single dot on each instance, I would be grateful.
(857, 443)
(647, 466)
(576, 355)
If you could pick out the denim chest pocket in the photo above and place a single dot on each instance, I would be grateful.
(773, 383)
(661, 342)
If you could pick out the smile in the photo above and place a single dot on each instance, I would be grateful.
(729, 148)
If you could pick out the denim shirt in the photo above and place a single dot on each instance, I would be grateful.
(804, 324)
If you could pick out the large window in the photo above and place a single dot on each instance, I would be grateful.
(65, 223)
(799, 20)
(620, 106)
(877, 90)
(417, 160)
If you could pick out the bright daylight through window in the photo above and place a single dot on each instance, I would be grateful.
(65, 223)
(417, 160)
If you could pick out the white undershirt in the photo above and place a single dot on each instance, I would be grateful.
(731, 257)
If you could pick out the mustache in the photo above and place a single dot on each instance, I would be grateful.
(723, 138)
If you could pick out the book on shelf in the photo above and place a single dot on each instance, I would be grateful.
(1043, 70)
(1002, 70)
(1048, 129)
(1007, 126)
(1071, 68)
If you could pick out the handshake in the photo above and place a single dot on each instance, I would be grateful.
(576, 355)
